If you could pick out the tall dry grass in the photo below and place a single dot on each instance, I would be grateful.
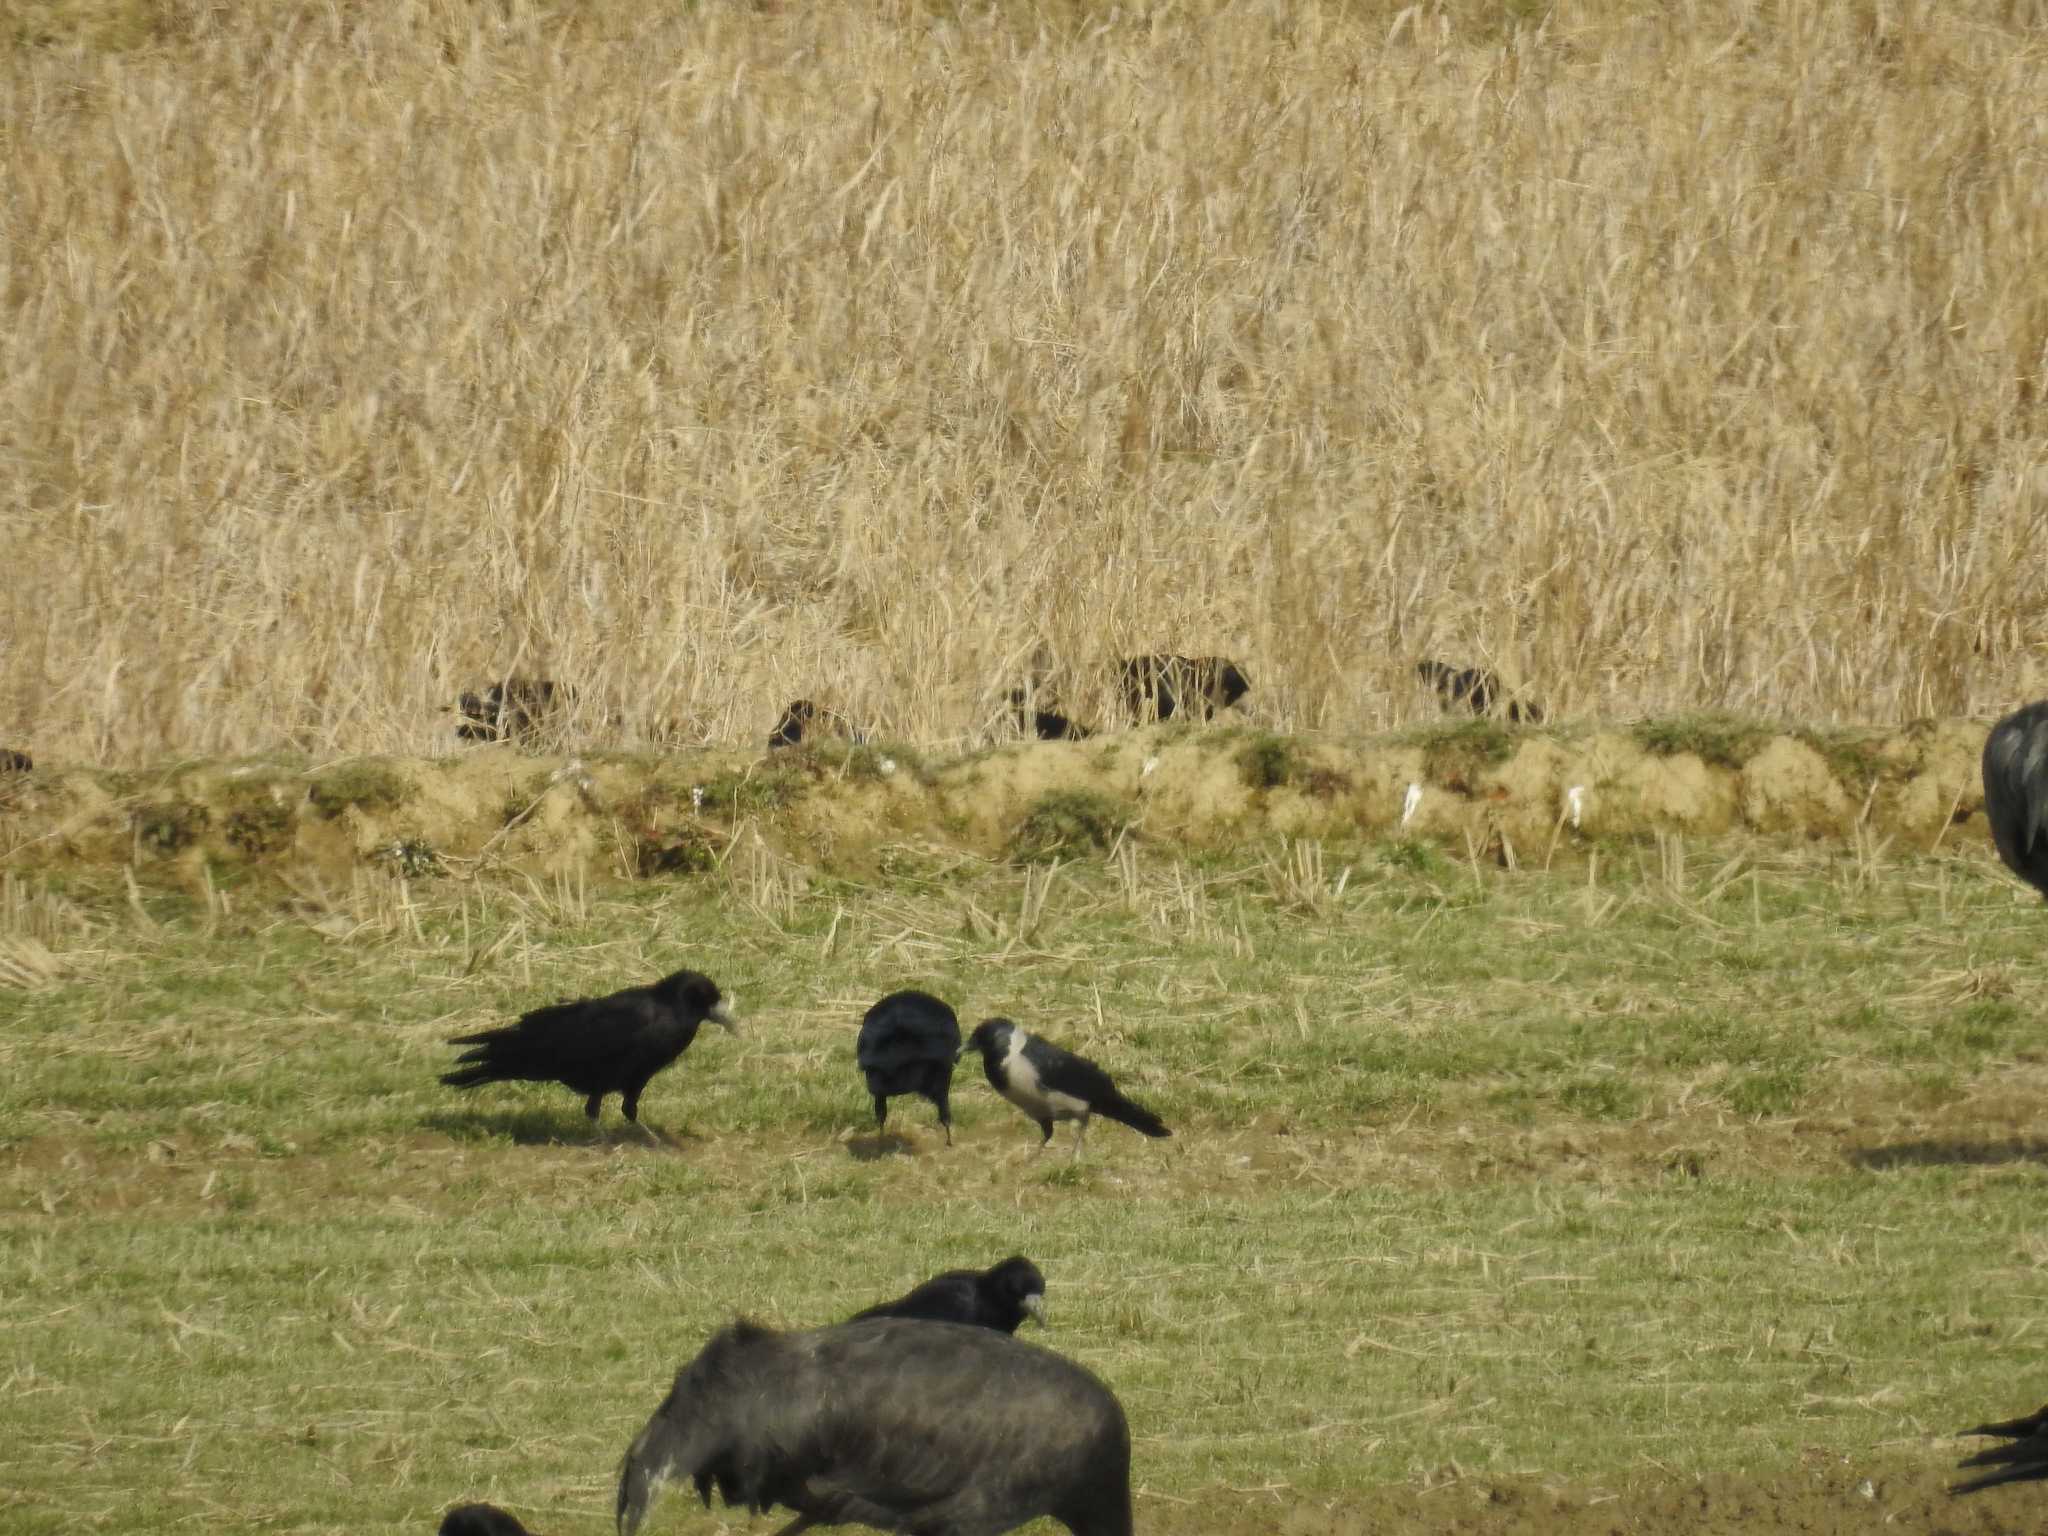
(1664, 356)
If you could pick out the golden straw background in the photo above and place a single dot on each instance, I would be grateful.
(1662, 357)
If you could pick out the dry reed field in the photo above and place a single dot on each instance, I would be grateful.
(1661, 357)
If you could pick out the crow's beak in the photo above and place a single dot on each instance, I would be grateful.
(721, 1013)
(1034, 1305)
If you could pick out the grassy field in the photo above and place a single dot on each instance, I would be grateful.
(1684, 1164)
(713, 355)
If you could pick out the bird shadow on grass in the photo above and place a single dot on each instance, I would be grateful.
(1960, 1152)
(539, 1128)
(868, 1149)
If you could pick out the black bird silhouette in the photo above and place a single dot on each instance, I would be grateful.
(2022, 1459)
(597, 1045)
(1045, 724)
(804, 721)
(1474, 688)
(1159, 687)
(2016, 792)
(908, 1044)
(1051, 1083)
(480, 1520)
(1000, 1297)
(513, 709)
(928, 1429)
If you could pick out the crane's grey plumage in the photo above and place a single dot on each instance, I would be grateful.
(480, 1520)
(908, 1043)
(998, 1297)
(2022, 1459)
(2016, 792)
(1050, 1083)
(597, 1045)
(928, 1429)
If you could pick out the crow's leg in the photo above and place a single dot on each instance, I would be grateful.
(630, 1103)
(1045, 1132)
(881, 1114)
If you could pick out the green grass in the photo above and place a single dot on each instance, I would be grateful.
(1600, 1175)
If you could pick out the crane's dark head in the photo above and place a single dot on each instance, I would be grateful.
(696, 994)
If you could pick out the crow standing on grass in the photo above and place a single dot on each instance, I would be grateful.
(1049, 1083)
(597, 1045)
(908, 1044)
(1000, 1297)
(2022, 1459)
(2016, 792)
(928, 1429)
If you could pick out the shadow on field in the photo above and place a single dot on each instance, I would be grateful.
(540, 1128)
(868, 1149)
(1952, 1152)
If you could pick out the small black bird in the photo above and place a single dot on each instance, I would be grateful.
(480, 1520)
(804, 721)
(2023, 1459)
(1475, 688)
(513, 709)
(1045, 724)
(1050, 1083)
(597, 1045)
(1159, 687)
(908, 1044)
(999, 1298)
(2016, 792)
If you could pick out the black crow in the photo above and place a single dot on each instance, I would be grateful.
(597, 1045)
(908, 1044)
(1045, 724)
(2022, 1459)
(999, 1298)
(2016, 792)
(515, 709)
(12, 761)
(804, 721)
(480, 1520)
(1475, 689)
(928, 1429)
(1159, 687)
(1050, 1083)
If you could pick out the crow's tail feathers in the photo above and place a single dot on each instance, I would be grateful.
(2022, 1459)
(1136, 1116)
(471, 1077)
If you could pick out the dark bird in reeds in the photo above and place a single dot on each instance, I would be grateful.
(804, 722)
(908, 1043)
(927, 1429)
(513, 709)
(2016, 792)
(12, 761)
(999, 1297)
(2023, 1458)
(597, 1045)
(1160, 687)
(1050, 1083)
(1034, 719)
(1476, 689)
